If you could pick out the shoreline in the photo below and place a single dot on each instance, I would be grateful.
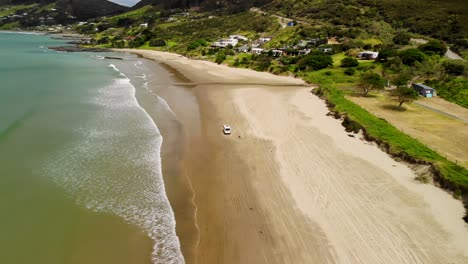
(231, 190)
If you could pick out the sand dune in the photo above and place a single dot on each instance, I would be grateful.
(290, 186)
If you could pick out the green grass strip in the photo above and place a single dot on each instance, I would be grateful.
(399, 142)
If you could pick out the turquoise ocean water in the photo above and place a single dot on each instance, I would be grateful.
(80, 166)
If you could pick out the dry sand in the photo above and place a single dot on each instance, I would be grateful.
(290, 186)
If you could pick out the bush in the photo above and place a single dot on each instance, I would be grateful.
(220, 57)
(454, 68)
(198, 43)
(315, 61)
(157, 43)
(349, 62)
(411, 56)
(402, 38)
(435, 46)
(262, 62)
(386, 53)
(349, 71)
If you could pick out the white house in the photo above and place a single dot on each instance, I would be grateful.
(264, 39)
(277, 53)
(222, 43)
(244, 48)
(368, 55)
(145, 25)
(238, 37)
(325, 49)
(257, 50)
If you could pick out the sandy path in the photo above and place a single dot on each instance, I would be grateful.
(290, 186)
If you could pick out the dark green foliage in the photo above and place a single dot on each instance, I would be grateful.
(454, 68)
(220, 57)
(434, 46)
(370, 81)
(350, 71)
(453, 89)
(402, 38)
(262, 62)
(198, 43)
(288, 60)
(411, 56)
(125, 22)
(349, 62)
(156, 42)
(387, 53)
(405, 94)
(103, 40)
(315, 61)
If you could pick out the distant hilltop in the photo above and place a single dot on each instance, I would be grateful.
(205, 4)
(79, 9)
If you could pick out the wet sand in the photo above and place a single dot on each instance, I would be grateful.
(290, 186)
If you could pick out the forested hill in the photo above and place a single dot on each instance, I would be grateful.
(444, 19)
(205, 4)
(82, 9)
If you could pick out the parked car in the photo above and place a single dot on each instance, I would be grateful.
(226, 130)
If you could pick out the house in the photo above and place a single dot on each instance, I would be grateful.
(304, 52)
(257, 51)
(325, 49)
(145, 25)
(222, 43)
(238, 37)
(244, 49)
(277, 53)
(291, 24)
(424, 90)
(368, 55)
(264, 39)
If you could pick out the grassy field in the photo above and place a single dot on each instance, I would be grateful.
(436, 130)
(398, 141)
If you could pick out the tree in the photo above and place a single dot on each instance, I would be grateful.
(402, 38)
(434, 46)
(220, 57)
(157, 43)
(454, 68)
(370, 81)
(349, 62)
(315, 61)
(386, 53)
(405, 94)
(411, 56)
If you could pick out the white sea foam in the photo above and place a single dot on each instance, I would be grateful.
(115, 168)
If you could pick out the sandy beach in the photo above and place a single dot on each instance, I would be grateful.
(290, 185)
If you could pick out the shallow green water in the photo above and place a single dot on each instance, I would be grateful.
(80, 178)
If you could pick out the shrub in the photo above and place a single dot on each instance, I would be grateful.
(411, 56)
(220, 57)
(454, 68)
(315, 61)
(436, 46)
(402, 38)
(198, 43)
(157, 43)
(349, 62)
(386, 53)
(349, 71)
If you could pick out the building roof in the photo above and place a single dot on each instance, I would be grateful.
(423, 86)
